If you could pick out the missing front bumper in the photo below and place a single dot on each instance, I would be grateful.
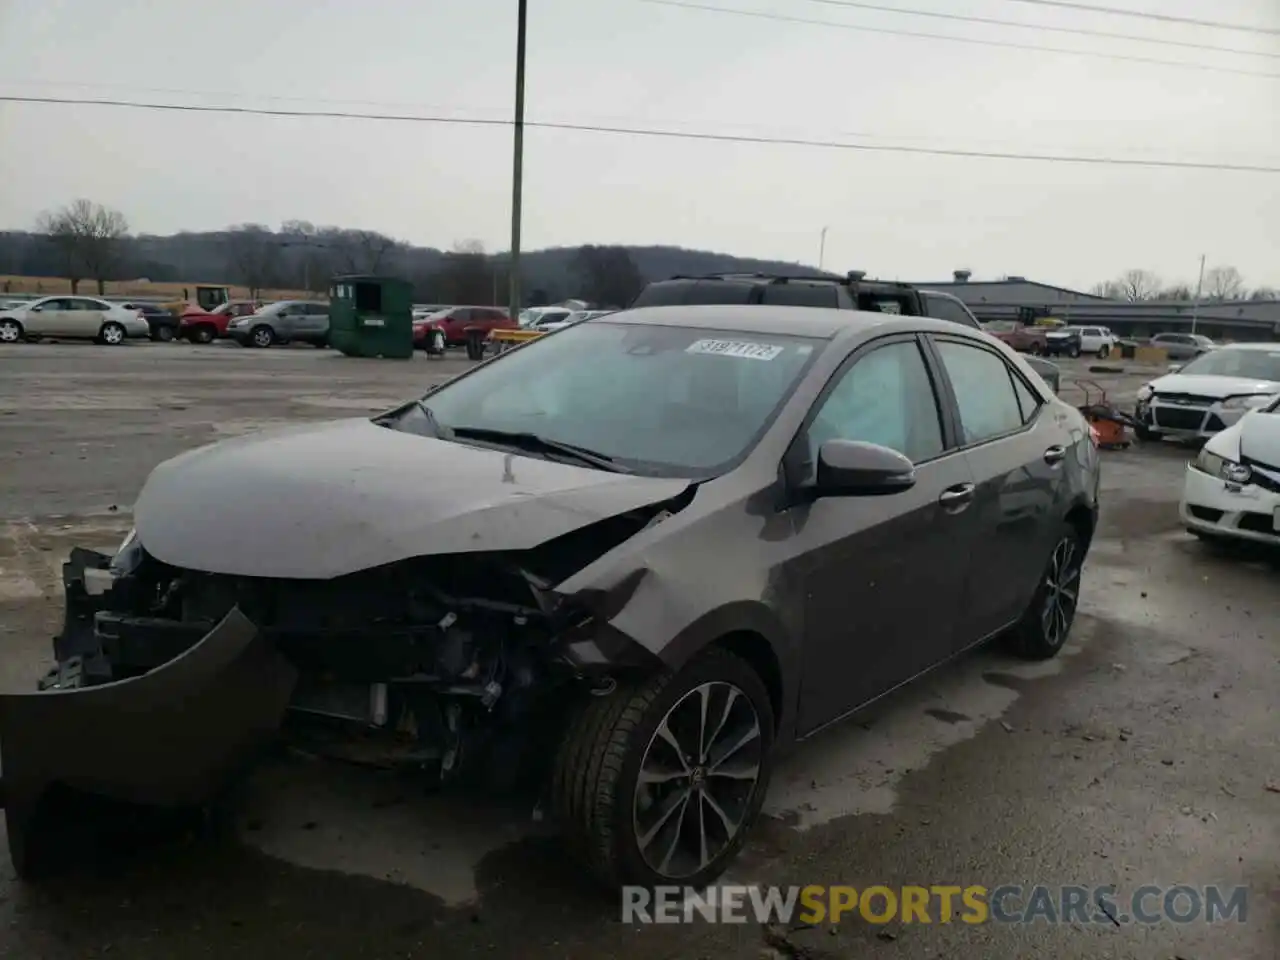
(171, 737)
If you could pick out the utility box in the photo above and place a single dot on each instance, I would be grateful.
(371, 317)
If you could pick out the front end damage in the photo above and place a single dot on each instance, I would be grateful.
(168, 681)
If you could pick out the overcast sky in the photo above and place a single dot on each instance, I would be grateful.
(636, 63)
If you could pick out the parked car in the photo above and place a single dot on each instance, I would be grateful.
(634, 559)
(536, 318)
(72, 318)
(1023, 337)
(454, 322)
(1232, 488)
(1183, 346)
(1062, 342)
(306, 321)
(1099, 341)
(161, 323)
(204, 326)
(852, 292)
(1209, 394)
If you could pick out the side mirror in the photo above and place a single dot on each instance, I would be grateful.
(37, 308)
(852, 468)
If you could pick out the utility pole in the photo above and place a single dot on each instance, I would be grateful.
(822, 248)
(517, 164)
(1195, 304)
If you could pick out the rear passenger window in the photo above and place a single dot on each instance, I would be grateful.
(984, 389)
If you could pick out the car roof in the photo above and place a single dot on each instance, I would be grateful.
(816, 322)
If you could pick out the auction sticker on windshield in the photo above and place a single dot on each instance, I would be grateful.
(743, 349)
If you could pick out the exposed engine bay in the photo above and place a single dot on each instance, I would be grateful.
(451, 663)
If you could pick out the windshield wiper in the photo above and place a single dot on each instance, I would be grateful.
(539, 444)
(439, 429)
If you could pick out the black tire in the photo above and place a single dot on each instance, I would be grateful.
(1036, 350)
(1046, 624)
(262, 336)
(203, 333)
(1073, 352)
(1104, 351)
(163, 333)
(1146, 434)
(11, 331)
(597, 770)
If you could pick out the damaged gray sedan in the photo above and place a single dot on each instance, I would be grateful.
(627, 561)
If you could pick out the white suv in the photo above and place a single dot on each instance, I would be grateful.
(1097, 340)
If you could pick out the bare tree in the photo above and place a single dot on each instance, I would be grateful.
(1265, 293)
(63, 237)
(1178, 291)
(1138, 285)
(1223, 283)
(608, 276)
(361, 251)
(466, 274)
(253, 254)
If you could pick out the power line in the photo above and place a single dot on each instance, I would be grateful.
(974, 41)
(1144, 15)
(1077, 31)
(658, 133)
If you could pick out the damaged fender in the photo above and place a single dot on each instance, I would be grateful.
(168, 738)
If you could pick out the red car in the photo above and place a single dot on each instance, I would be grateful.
(204, 326)
(1026, 338)
(454, 322)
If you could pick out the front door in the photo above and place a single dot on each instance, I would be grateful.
(1017, 447)
(883, 575)
(46, 319)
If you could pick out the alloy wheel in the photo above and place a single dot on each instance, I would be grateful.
(112, 334)
(697, 780)
(1061, 592)
(262, 337)
(10, 332)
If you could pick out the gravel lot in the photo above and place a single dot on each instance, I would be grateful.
(1142, 755)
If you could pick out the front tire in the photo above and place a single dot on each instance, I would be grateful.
(1146, 434)
(11, 331)
(1073, 352)
(262, 336)
(660, 781)
(1104, 351)
(1047, 622)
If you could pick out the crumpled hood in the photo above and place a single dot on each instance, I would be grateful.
(1212, 386)
(316, 502)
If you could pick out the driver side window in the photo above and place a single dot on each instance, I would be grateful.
(886, 397)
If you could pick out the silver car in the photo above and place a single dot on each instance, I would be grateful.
(1183, 346)
(306, 321)
(77, 317)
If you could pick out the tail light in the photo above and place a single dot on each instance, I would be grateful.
(1094, 436)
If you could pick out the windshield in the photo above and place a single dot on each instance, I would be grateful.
(668, 401)
(1250, 364)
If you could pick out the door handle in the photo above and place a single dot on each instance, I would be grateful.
(955, 499)
(1055, 454)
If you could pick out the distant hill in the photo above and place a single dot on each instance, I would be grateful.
(306, 257)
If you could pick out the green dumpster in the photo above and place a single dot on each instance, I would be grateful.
(371, 317)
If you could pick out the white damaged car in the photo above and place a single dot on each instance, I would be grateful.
(1209, 394)
(1232, 488)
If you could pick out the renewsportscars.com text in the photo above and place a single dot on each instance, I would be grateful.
(936, 903)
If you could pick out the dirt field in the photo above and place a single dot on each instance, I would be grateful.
(47, 286)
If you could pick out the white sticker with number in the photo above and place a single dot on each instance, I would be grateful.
(742, 349)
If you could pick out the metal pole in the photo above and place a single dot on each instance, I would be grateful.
(1195, 304)
(517, 164)
(822, 247)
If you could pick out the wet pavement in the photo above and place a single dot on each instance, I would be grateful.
(1142, 755)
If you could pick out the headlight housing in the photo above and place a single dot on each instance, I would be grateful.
(1249, 402)
(1144, 393)
(1222, 468)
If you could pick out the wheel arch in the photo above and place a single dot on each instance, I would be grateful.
(1084, 519)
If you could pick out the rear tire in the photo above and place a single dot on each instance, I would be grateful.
(11, 331)
(1146, 434)
(1045, 626)
(625, 813)
(1073, 352)
(112, 334)
(163, 334)
(1104, 351)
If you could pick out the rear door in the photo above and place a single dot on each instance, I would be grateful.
(884, 576)
(1015, 444)
(89, 315)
